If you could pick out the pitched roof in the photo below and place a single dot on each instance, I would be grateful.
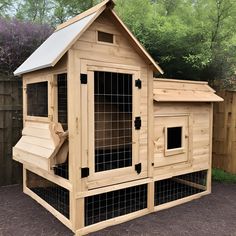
(166, 90)
(66, 34)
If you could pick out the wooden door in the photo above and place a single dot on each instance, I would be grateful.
(113, 126)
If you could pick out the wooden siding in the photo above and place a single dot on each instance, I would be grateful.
(169, 90)
(199, 138)
(120, 53)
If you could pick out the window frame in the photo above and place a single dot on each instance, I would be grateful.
(33, 80)
(106, 43)
(174, 151)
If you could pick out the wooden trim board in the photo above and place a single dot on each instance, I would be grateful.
(48, 176)
(111, 222)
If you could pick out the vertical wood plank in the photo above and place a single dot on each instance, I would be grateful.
(74, 128)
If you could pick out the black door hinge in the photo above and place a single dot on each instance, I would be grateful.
(138, 123)
(138, 168)
(138, 83)
(84, 172)
(84, 78)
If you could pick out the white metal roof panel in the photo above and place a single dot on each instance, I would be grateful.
(50, 52)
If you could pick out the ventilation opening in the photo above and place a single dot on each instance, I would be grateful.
(113, 204)
(180, 187)
(174, 137)
(105, 37)
(113, 120)
(53, 194)
(62, 100)
(37, 99)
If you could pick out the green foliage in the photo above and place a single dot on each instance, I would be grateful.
(64, 9)
(222, 176)
(37, 11)
(191, 39)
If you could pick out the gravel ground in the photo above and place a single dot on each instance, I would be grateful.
(214, 214)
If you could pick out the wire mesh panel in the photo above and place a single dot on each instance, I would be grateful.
(113, 120)
(179, 187)
(37, 99)
(53, 194)
(62, 169)
(62, 100)
(113, 204)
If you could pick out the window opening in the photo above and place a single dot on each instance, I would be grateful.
(37, 99)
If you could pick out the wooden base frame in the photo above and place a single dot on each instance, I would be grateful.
(79, 200)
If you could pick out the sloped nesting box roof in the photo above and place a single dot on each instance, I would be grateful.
(168, 90)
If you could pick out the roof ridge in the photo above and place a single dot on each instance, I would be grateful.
(84, 14)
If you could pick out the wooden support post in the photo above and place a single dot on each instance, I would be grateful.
(74, 128)
(151, 193)
(150, 147)
(209, 172)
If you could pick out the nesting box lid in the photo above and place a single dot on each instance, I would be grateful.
(168, 90)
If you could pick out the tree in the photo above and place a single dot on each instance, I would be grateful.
(5, 6)
(65, 9)
(38, 11)
(192, 39)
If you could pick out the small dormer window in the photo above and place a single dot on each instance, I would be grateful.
(37, 99)
(105, 37)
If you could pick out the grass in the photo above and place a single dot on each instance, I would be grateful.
(222, 176)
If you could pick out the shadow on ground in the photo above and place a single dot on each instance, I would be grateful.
(214, 214)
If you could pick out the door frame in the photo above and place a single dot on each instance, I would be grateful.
(114, 176)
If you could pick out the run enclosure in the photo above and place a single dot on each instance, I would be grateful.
(103, 142)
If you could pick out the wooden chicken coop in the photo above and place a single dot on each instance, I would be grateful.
(103, 142)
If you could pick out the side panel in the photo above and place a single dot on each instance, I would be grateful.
(199, 134)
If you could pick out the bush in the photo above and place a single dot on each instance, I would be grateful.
(222, 176)
(17, 42)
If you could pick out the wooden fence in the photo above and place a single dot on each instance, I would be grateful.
(224, 132)
(10, 128)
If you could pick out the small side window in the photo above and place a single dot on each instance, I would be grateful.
(37, 99)
(174, 137)
(105, 37)
(174, 140)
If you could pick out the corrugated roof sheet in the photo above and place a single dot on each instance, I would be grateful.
(166, 90)
(50, 52)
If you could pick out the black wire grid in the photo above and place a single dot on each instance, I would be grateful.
(179, 187)
(113, 120)
(113, 204)
(62, 169)
(53, 194)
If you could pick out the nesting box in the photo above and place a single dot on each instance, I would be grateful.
(103, 141)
